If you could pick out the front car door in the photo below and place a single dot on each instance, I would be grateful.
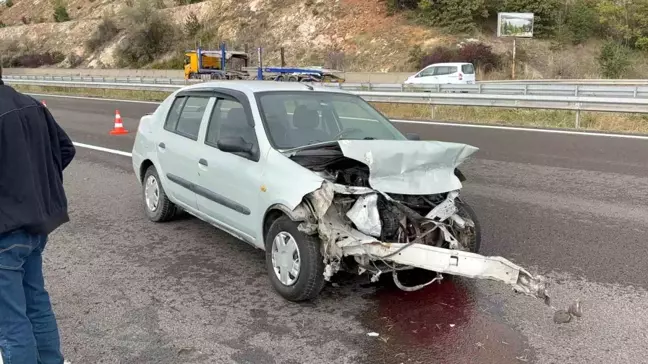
(177, 147)
(427, 76)
(230, 184)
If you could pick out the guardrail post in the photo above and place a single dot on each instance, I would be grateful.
(578, 114)
(576, 91)
(636, 90)
(526, 89)
(480, 88)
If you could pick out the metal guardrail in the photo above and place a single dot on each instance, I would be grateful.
(492, 88)
(552, 102)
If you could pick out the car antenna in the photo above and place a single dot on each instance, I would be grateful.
(309, 86)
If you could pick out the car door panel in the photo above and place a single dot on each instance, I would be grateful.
(177, 148)
(229, 184)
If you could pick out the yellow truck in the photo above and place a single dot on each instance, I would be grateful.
(215, 65)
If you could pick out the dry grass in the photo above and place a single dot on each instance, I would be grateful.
(617, 122)
(93, 92)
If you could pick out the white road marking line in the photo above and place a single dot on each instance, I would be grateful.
(400, 121)
(102, 149)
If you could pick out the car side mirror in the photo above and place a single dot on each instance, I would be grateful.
(234, 145)
(413, 136)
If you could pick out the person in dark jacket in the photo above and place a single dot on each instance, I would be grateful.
(34, 151)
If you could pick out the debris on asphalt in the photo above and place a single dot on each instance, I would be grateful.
(576, 309)
(373, 334)
(562, 317)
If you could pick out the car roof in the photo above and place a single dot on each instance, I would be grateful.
(449, 64)
(255, 86)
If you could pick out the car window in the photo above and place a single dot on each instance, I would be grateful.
(427, 72)
(445, 70)
(468, 69)
(228, 119)
(185, 116)
(294, 119)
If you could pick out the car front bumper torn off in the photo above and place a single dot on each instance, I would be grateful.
(382, 233)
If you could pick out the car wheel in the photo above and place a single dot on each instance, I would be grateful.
(466, 211)
(157, 205)
(294, 261)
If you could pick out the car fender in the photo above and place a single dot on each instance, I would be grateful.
(285, 183)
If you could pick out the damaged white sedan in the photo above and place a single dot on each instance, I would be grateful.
(318, 179)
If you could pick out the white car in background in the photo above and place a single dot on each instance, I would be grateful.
(317, 178)
(444, 73)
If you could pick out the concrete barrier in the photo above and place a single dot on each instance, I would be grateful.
(355, 77)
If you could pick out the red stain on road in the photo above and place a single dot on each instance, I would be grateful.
(442, 323)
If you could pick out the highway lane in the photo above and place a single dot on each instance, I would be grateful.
(569, 206)
(597, 181)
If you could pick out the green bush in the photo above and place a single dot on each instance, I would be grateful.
(149, 35)
(60, 12)
(613, 60)
(9, 3)
(105, 31)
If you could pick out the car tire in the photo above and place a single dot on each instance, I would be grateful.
(465, 210)
(164, 209)
(418, 276)
(309, 281)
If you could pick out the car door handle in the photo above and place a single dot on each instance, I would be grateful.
(162, 145)
(203, 162)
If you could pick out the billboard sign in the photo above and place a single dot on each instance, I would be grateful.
(518, 25)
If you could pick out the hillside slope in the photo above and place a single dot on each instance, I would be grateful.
(356, 34)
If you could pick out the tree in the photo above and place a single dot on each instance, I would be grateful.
(192, 26)
(455, 15)
(613, 60)
(626, 21)
(581, 20)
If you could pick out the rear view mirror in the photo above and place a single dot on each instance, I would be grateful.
(234, 145)
(413, 136)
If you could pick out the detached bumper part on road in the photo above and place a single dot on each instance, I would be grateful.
(350, 223)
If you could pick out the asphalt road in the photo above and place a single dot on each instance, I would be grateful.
(568, 206)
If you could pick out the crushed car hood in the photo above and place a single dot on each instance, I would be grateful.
(412, 167)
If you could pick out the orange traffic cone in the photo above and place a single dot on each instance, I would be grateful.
(44, 103)
(119, 126)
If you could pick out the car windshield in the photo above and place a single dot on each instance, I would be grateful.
(298, 118)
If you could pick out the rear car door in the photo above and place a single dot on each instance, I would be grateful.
(177, 147)
(230, 183)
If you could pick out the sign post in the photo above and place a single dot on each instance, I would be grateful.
(260, 69)
(515, 25)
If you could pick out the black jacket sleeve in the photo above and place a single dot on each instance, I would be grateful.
(68, 151)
